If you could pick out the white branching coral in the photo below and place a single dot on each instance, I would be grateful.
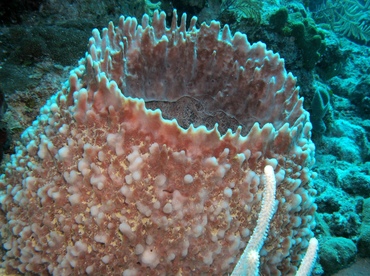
(248, 263)
(309, 259)
(101, 184)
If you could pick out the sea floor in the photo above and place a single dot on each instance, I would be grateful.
(360, 268)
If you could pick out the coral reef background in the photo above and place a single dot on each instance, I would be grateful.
(326, 47)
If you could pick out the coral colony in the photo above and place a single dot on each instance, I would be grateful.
(101, 185)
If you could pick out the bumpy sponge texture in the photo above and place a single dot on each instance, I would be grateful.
(101, 185)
